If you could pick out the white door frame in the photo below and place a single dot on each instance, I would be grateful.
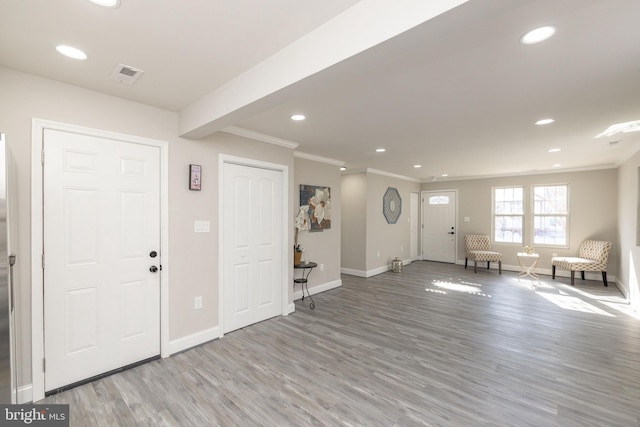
(286, 258)
(414, 212)
(423, 195)
(37, 276)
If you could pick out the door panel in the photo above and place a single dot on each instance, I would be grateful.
(439, 221)
(252, 235)
(101, 220)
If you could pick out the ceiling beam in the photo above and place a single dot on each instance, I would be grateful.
(364, 25)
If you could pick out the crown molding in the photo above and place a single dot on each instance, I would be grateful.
(315, 158)
(392, 175)
(260, 137)
(526, 173)
(380, 172)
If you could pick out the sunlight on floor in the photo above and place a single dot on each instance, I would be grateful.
(564, 299)
(623, 308)
(573, 303)
(466, 287)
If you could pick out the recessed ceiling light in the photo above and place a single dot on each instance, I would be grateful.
(71, 52)
(343, 168)
(557, 165)
(417, 166)
(106, 3)
(445, 174)
(554, 150)
(380, 150)
(538, 35)
(298, 117)
(544, 122)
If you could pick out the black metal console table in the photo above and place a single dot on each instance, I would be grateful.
(306, 268)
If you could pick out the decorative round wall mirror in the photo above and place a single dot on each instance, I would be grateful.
(391, 205)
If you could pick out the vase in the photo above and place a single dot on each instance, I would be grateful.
(297, 256)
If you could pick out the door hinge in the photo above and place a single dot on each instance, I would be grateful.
(44, 365)
(43, 261)
(42, 156)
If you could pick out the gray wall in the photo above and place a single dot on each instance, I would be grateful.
(628, 215)
(593, 211)
(320, 247)
(354, 221)
(369, 243)
(192, 272)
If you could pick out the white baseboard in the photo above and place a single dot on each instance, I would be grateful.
(297, 294)
(365, 274)
(184, 343)
(352, 272)
(291, 307)
(370, 273)
(25, 394)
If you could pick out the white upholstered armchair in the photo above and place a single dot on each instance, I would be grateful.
(478, 248)
(592, 256)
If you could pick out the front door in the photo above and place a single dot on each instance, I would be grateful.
(101, 227)
(439, 221)
(252, 245)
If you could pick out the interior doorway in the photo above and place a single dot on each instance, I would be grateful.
(253, 255)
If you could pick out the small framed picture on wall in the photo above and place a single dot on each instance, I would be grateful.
(195, 177)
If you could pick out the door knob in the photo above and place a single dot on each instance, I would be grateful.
(153, 254)
(153, 269)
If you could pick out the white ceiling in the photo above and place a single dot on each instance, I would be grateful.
(457, 94)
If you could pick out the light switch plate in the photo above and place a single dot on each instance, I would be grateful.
(201, 226)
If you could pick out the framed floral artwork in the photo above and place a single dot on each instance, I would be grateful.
(317, 202)
(195, 177)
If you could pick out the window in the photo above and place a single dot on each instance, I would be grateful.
(550, 214)
(439, 200)
(508, 211)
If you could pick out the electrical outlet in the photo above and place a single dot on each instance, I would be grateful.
(378, 254)
(321, 267)
(401, 248)
(554, 255)
(197, 303)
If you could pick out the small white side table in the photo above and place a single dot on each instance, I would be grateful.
(528, 264)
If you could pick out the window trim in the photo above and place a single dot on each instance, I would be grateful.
(567, 216)
(522, 215)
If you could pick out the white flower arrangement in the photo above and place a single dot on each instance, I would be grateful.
(302, 222)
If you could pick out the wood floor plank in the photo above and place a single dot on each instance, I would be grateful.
(434, 345)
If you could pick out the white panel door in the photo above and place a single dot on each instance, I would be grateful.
(439, 221)
(252, 245)
(413, 227)
(101, 222)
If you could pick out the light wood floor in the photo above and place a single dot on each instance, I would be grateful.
(435, 345)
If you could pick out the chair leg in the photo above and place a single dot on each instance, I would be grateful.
(553, 272)
(573, 278)
(465, 262)
(604, 278)
(488, 262)
(475, 266)
(500, 267)
(582, 274)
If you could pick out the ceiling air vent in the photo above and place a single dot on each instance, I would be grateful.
(126, 74)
